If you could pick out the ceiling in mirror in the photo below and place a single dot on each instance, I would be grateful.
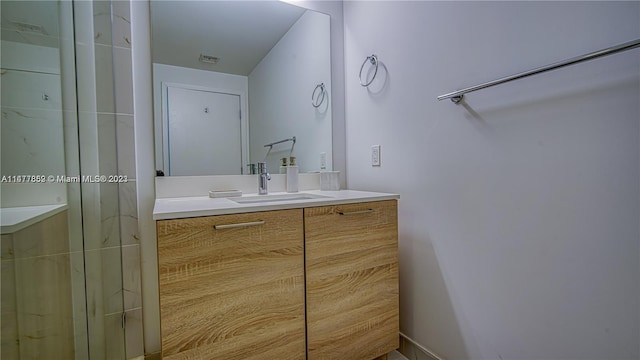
(238, 33)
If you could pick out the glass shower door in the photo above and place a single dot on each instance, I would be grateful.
(61, 262)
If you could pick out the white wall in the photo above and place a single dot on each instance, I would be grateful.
(519, 217)
(282, 109)
(198, 78)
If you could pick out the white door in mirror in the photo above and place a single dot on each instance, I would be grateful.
(203, 129)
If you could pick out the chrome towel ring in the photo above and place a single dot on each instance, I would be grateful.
(373, 59)
(321, 95)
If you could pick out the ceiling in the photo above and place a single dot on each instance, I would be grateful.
(240, 33)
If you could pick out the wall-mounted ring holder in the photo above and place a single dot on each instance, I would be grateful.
(316, 101)
(373, 59)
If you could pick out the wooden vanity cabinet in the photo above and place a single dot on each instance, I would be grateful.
(351, 267)
(232, 286)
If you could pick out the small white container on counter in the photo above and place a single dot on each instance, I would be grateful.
(329, 180)
(283, 166)
(292, 176)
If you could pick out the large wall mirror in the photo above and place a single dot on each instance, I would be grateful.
(232, 77)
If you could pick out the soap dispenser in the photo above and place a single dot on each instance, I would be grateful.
(292, 175)
(283, 166)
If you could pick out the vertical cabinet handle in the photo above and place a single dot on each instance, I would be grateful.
(238, 225)
(368, 211)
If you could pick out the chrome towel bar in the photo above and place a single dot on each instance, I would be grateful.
(293, 139)
(456, 96)
(270, 146)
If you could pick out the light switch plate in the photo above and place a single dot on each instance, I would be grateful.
(375, 155)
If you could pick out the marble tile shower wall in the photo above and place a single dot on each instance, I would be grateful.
(111, 224)
(37, 308)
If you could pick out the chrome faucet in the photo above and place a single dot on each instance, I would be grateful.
(263, 177)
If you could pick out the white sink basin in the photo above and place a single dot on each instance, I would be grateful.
(273, 198)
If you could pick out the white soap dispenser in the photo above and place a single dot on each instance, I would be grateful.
(292, 175)
(283, 166)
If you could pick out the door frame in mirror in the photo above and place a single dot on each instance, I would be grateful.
(165, 75)
(244, 121)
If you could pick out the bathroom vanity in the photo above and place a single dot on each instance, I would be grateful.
(312, 276)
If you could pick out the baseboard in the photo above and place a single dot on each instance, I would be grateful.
(410, 349)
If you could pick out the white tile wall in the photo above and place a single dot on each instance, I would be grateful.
(37, 316)
(9, 347)
(105, 99)
(35, 138)
(31, 127)
(104, 284)
(121, 32)
(129, 232)
(102, 22)
(128, 207)
(109, 217)
(111, 228)
(123, 83)
(27, 88)
(131, 277)
(126, 148)
(107, 144)
(114, 334)
(133, 334)
(79, 305)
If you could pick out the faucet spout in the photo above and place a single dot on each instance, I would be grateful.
(263, 177)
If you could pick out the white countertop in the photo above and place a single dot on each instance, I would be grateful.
(17, 218)
(185, 207)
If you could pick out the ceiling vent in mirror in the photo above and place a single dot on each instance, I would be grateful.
(209, 59)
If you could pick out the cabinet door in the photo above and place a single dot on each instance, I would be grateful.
(232, 286)
(352, 280)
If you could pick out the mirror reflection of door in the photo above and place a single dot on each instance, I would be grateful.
(192, 113)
